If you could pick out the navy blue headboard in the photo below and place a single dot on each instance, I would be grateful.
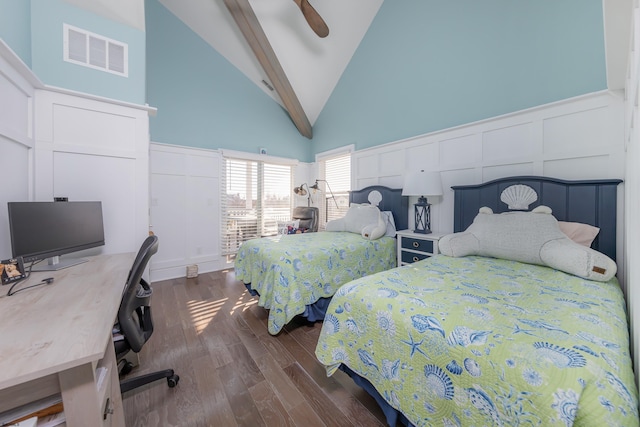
(392, 200)
(588, 201)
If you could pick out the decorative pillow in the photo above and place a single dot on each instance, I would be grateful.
(579, 232)
(283, 226)
(362, 219)
(294, 230)
(387, 217)
(532, 237)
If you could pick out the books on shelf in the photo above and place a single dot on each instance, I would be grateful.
(38, 409)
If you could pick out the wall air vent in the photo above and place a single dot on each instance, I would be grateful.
(95, 51)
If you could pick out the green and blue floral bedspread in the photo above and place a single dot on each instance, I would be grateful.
(292, 271)
(486, 342)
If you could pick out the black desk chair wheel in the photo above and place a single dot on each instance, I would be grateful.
(135, 322)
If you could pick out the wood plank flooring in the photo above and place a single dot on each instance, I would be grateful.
(232, 371)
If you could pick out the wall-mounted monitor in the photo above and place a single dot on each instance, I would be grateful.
(46, 230)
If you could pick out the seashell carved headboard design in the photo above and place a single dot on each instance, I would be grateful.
(518, 197)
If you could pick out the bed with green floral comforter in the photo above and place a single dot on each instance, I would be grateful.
(486, 342)
(292, 271)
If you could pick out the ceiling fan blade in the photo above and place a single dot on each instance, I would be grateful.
(313, 18)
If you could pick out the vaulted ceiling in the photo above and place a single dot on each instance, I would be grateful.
(313, 65)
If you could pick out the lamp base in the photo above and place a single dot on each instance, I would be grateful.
(427, 231)
(422, 216)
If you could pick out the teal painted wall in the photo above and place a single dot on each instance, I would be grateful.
(204, 101)
(47, 17)
(423, 66)
(15, 27)
(427, 65)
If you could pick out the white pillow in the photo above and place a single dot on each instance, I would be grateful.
(387, 217)
(362, 219)
(532, 237)
(283, 226)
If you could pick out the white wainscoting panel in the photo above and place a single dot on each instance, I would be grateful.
(547, 140)
(507, 145)
(587, 128)
(87, 177)
(95, 149)
(632, 190)
(461, 151)
(513, 169)
(92, 128)
(515, 143)
(574, 168)
(15, 178)
(16, 137)
(185, 210)
(425, 156)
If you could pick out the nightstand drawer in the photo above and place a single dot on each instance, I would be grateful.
(417, 245)
(410, 257)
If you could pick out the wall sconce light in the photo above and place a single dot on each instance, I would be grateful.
(300, 191)
(422, 184)
(316, 188)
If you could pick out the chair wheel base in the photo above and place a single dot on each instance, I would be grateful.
(172, 381)
(127, 367)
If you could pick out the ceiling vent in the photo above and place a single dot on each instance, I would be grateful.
(95, 51)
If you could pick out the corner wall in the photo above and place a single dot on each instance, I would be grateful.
(632, 186)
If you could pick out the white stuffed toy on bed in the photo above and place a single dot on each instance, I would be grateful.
(531, 237)
(365, 220)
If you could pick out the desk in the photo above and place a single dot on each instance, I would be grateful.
(54, 337)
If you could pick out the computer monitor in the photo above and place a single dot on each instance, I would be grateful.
(46, 230)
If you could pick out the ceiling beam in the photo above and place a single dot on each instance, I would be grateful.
(248, 23)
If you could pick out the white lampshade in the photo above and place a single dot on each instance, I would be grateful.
(422, 184)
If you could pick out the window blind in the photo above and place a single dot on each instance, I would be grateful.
(336, 170)
(255, 196)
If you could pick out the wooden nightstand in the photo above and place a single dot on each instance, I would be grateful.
(414, 247)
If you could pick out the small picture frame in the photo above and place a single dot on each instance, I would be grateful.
(12, 270)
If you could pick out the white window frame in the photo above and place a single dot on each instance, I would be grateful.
(340, 189)
(261, 219)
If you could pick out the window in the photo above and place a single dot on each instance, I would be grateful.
(95, 51)
(255, 196)
(335, 170)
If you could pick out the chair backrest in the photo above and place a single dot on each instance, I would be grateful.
(308, 217)
(134, 314)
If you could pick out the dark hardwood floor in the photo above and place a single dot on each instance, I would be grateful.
(232, 372)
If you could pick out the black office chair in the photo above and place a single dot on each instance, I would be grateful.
(134, 320)
(308, 217)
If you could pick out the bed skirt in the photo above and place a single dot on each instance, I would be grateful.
(313, 313)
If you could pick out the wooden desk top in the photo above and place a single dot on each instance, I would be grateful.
(55, 327)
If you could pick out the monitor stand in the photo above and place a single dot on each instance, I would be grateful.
(55, 264)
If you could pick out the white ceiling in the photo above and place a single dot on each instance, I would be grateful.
(312, 64)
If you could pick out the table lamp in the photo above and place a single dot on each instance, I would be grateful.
(422, 184)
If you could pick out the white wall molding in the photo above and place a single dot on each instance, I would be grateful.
(89, 148)
(17, 86)
(578, 138)
(632, 188)
(185, 210)
(64, 143)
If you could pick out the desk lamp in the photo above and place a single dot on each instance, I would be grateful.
(300, 191)
(422, 184)
(316, 188)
